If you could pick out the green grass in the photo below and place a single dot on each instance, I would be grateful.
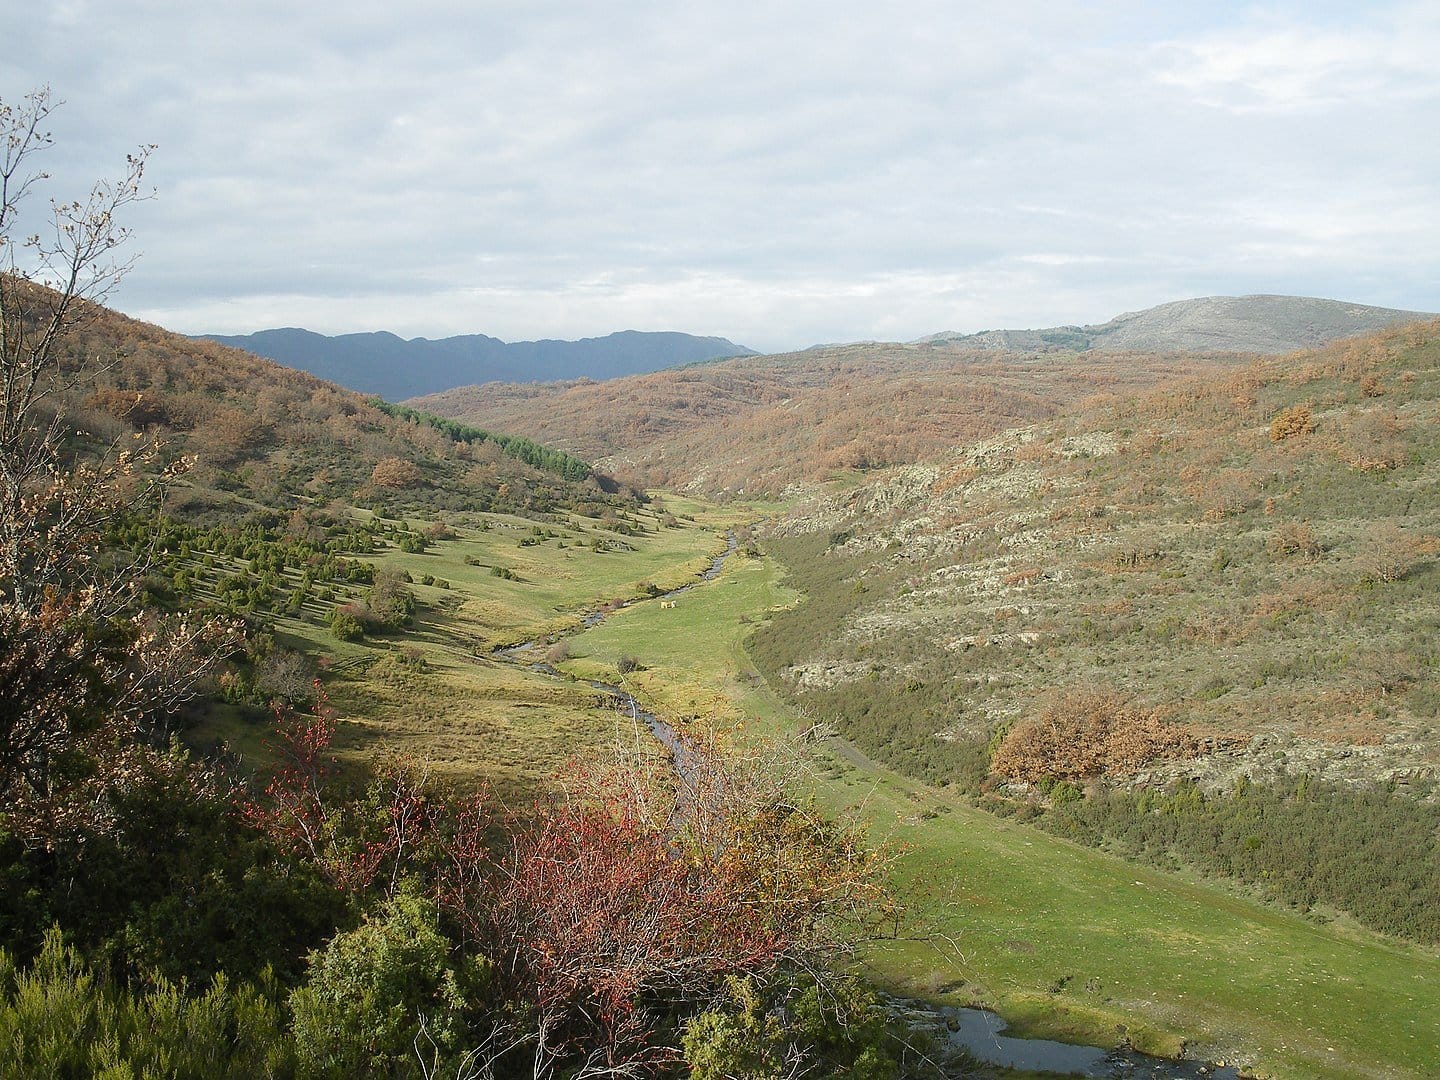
(1007, 913)
(1002, 914)
(1012, 912)
(690, 654)
(554, 585)
(469, 716)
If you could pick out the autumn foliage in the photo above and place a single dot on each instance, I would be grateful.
(1291, 422)
(394, 472)
(1088, 732)
(599, 914)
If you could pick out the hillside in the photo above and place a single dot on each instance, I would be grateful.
(1254, 324)
(1215, 588)
(262, 434)
(405, 614)
(395, 368)
(758, 425)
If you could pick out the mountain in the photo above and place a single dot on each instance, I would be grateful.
(1254, 324)
(382, 363)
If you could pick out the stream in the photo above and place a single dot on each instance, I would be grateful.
(621, 697)
(976, 1031)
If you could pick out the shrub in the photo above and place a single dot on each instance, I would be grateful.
(390, 604)
(1288, 423)
(793, 1026)
(395, 473)
(346, 624)
(361, 1008)
(1295, 538)
(59, 1019)
(1086, 732)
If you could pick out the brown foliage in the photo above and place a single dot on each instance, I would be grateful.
(1295, 538)
(763, 423)
(394, 472)
(1292, 422)
(1088, 732)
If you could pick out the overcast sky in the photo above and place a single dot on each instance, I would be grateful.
(777, 173)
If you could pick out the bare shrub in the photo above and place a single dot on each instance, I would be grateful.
(1389, 555)
(1371, 442)
(1294, 538)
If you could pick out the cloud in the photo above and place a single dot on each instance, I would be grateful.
(778, 174)
(1268, 65)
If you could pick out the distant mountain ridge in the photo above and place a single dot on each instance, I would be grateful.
(1252, 324)
(395, 368)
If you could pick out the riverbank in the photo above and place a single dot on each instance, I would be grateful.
(1065, 942)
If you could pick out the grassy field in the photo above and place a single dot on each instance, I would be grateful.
(436, 693)
(1064, 941)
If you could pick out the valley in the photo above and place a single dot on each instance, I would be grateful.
(1065, 941)
(1053, 695)
(1123, 666)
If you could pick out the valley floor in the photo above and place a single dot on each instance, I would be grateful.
(1064, 941)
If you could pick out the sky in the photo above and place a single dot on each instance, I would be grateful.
(778, 173)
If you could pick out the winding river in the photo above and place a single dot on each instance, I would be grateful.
(976, 1031)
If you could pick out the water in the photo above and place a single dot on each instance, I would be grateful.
(978, 1033)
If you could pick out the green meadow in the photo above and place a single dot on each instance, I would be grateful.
(1066, 942)
(437, 693)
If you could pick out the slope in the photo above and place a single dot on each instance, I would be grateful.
(382, 363)
(1192, 623)
(1258, 324)
(758, 425)
(264, 435)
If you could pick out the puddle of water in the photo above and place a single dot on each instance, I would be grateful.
(978, 1032)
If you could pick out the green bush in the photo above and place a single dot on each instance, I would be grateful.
(345, 624)
(361, 1008)
(60, 1019)
(792, 1026)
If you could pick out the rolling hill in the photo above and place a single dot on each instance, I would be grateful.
(1254, 324)
(394, 368)
(264, 435)
(757, 425)
(1193, 623)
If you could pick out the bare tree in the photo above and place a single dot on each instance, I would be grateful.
(82, 671)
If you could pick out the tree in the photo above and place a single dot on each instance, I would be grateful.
(394, 472)
(82, 670)
(595, 922)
